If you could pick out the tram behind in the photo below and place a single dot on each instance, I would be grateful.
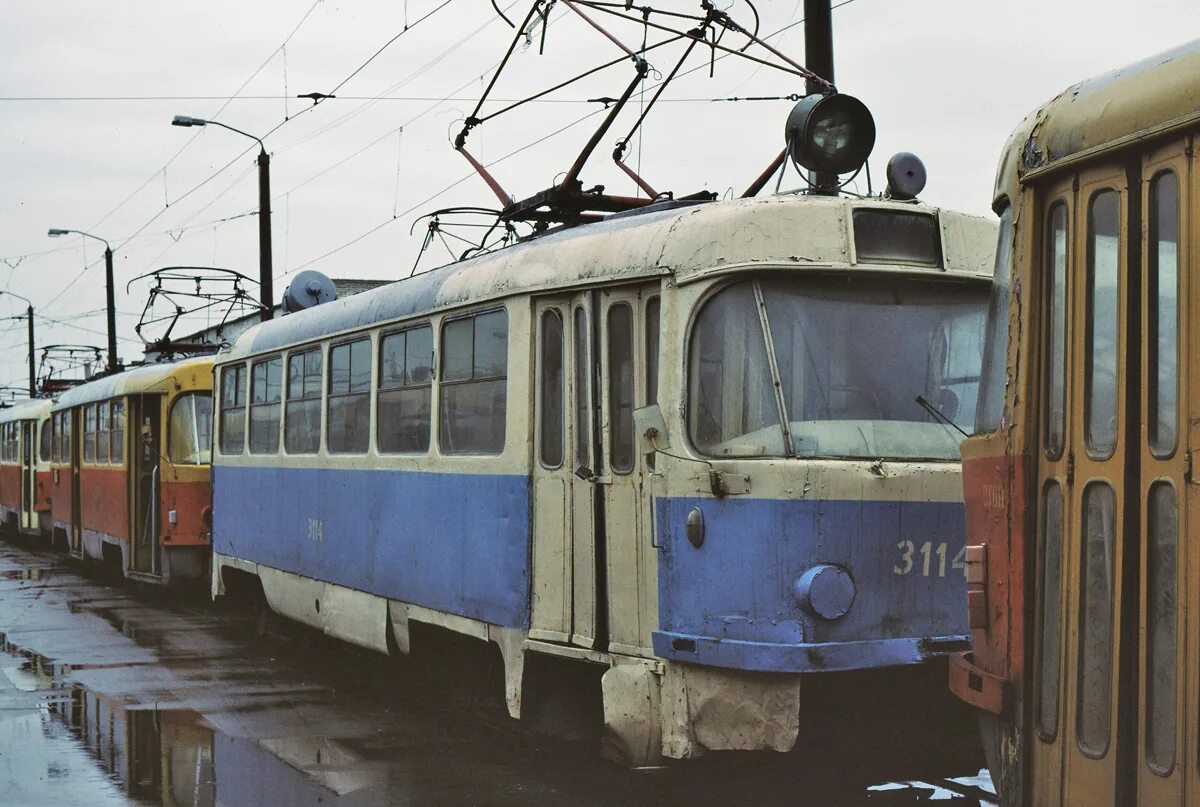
(25, 467)
(131, 477)
(1079, 482)
(682, 448)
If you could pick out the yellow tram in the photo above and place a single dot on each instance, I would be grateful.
(1082, 562)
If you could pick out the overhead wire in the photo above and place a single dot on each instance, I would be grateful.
(241, 154)
(220, 109)
(444, 190)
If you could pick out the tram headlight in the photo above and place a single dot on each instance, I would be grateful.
(826, 590)
(830, 133)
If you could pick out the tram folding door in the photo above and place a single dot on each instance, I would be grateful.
(564, 607)
(594, 565)
(28, 475)
(144, 454)
(75, 448)
(1114, 713)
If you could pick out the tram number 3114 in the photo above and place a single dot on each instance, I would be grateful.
(931, 560)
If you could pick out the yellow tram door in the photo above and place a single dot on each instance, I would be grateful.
(564, 606)
(1109, 709)
(1166, 713)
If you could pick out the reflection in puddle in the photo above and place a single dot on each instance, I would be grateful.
(164, 756)
(27, 573)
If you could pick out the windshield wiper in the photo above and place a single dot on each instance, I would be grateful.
(932, 410)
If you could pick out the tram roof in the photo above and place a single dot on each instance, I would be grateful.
(779, 232)
(26, 410)
(1154, 96)
(149, 378)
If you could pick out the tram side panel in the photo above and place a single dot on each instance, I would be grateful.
(104, 493)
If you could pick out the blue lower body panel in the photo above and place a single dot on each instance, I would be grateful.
(736, 600)
(457, 543)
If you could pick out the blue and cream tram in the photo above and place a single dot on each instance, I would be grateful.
(692, 446)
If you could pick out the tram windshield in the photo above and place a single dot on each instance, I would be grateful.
(851, 355)
(189, 439)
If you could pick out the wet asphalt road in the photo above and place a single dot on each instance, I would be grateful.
(114, 695)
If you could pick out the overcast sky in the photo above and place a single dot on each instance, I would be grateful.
(88, 90)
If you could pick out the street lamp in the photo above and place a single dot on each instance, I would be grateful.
(264, 211)
(108, 288)
(29, 315)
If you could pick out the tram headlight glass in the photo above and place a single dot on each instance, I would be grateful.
(830, 133)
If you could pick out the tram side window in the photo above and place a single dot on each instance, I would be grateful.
(732, 411)
(89, 433)
(55, 426)
(583, 391)
(550, 385)
(45, 441)
(1161, 644)
(189, 437)
(620, 386)
(474, 384)
(350, 397)
(1100, 381)
(1094, 715)
(1050, 613)
(402, 420)
(302, 414)
(233, 409)
(652, 346)
(1163, 338)
(1056, 338)
(995, 357)
(102, 431)
(66, 435)
(266, 392)
(117, 432)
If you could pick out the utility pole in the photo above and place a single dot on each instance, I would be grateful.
(32, 371)
(818, 57)
(112, 309)
(29, 317)
(265, 280)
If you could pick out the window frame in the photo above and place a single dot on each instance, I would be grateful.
(302, 353)
(379, 387)
(252, 405)
(170, 452)
(544, 411)
(240, 403)
(443, 384)
(367, 393)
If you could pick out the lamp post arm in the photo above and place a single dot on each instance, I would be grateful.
(89, 235)
(239, 131)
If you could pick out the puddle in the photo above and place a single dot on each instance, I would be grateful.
(28, 573)
(151, 755)
(217, 719)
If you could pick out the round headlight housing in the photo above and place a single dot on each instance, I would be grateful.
(831, 134)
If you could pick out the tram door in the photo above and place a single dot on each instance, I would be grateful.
(565, 550)
(1110, 717)
(629, 338)
(28, 474)
(74, 426)
(143, 457)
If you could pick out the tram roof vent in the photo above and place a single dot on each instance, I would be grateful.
(307, 289)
